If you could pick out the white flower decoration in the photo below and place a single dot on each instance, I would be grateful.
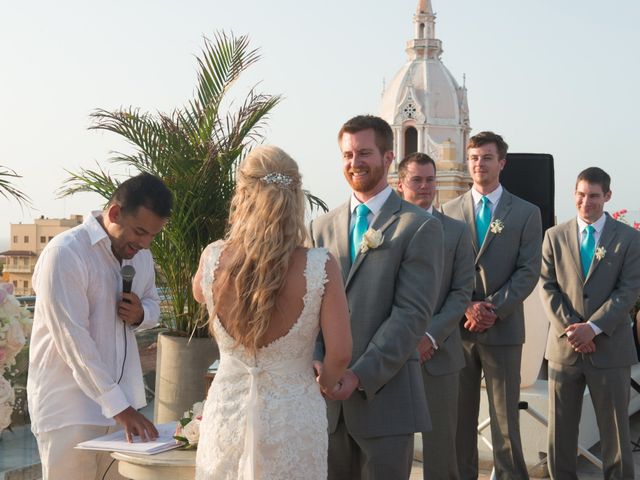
(600, 253)
(496, 227)
(370, 240)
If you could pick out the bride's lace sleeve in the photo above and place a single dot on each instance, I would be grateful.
(209, 263)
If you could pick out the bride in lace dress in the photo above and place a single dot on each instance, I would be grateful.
(268, 297)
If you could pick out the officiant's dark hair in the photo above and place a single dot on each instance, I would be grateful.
(381, 130)
(596, 176)
(144, 190)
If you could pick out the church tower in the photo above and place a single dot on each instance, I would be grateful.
(428, 110)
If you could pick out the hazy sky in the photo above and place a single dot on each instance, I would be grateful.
(552, 76)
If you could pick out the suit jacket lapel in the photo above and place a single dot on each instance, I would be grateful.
(341, 227)
(571, 236)
(468, 213)
(387, 215)
(501, 212)
(607, 236)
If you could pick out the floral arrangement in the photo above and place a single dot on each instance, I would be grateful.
(188, 429)
(370, 240)
(621, 216)
(496, 227)
(15, 327)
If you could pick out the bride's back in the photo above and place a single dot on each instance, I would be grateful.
(289, 301)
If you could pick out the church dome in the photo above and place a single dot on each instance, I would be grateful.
(424, 103)
(424, 89)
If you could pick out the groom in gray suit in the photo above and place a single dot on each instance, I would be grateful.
(590, 280)
(507, 234)
(441, 346)
(391, 257)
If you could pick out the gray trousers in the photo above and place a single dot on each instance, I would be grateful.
(439, 444)
(375, 458)
(609, 388)
(501, 367)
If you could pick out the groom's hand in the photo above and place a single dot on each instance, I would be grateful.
(345, 386)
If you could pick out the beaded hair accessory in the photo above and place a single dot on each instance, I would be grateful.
(279, 179)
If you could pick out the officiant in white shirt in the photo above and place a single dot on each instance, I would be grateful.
(85, 377)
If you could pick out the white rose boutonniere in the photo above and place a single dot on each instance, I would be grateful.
(496, 227)
(370, 240)
(600, 253)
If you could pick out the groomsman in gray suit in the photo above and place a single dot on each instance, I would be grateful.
(590, 280)
(441, 346)
(391, 257)
(506, 233)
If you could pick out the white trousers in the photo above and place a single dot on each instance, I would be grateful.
(61, 461)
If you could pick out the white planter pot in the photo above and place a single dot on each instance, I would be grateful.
(180, 368)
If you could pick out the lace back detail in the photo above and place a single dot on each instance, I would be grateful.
(267, 407)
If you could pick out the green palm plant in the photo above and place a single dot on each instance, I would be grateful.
(8, 190)
(195, 150)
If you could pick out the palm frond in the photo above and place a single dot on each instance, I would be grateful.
(8, 190)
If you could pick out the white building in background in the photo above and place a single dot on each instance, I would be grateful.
(428, 110)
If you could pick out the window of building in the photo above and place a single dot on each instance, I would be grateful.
(50, 238)
(15, 239)
(15, 283)
(25, 262)
(410, 141)
(15, 261)
(25, 283)
(43, 239)
(26, 239)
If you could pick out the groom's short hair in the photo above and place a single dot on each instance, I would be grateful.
(596, 176)
(381, 130)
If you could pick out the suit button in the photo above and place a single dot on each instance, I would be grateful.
(585, 296)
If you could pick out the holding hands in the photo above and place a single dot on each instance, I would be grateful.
(342, 389)
(480, 316)
(580, 336)
(426, 348)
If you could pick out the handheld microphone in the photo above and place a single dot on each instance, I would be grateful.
(127, 273)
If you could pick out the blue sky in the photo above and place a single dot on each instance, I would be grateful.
(557, 77)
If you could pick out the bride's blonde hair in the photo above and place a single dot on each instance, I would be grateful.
(266, 224)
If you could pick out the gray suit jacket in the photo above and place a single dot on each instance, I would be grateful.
(454, 296)
(391, 291)
(605, 297)
(507, 265)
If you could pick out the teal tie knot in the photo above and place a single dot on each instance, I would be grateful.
(587, 248)
(483, 220)
(360, 227)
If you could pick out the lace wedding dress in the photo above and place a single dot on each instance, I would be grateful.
(264, 417)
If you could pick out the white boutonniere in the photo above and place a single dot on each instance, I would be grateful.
(496, 227)
(370, 240)
(600, 253)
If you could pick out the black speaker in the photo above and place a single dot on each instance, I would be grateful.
(530, 176)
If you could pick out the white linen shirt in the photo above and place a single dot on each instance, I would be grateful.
(77, 345)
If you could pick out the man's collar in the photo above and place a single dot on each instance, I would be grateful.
(94, 227)
(493, 197)
(598, 225)
(375, 203)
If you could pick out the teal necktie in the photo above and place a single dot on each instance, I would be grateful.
(587, 248)
(359, 229)
(483, 220)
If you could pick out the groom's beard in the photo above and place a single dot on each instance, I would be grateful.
(367, 182)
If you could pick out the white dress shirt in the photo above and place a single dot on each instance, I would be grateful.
(374, 204)
(494, 198)
(598, 226)
(77, 346)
